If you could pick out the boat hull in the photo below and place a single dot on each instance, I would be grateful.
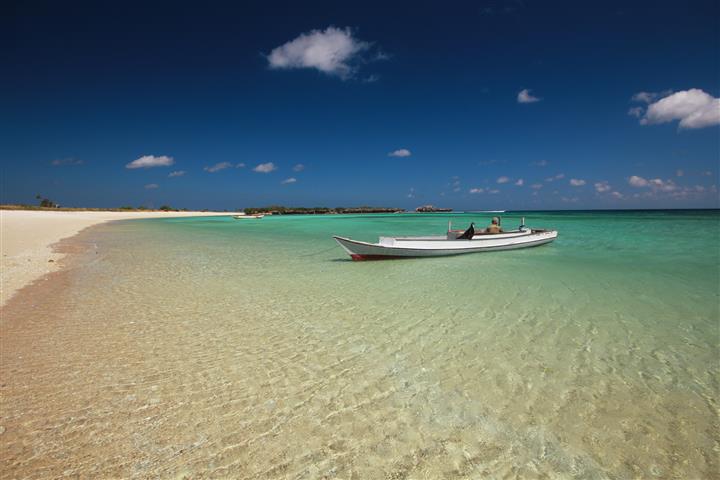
(408, 248)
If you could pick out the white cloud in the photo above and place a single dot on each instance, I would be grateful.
(493, 191)
(524, 96)
(265, 167)
(151, 186)
(662, 185)
(602, 187)
(149, 161)
(616, 194)
(536, 186)
(679, 173)
(411, 193)
(636, 181)
(477, 190)
(694, 108)
(577, 182)
(299, 167)
(644, 97)
(636, 112)
(402, 152)
(289, 180)
(217, 167)
(559, 176)
(503, 179)
(177, 173)
(240, 165)
(540, 163)
(520, 182)
(655, 184)
(333, 51)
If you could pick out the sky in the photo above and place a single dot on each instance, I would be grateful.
(468, 105)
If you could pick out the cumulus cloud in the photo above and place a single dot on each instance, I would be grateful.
(662, 185)
(524, 96)
(217, 167)
(334, 51)
(602, 187)
(644, 97)
(151, 186)
(693, 108)
(655, 184)
(636, 181)
(520, 182)
(265, 167)
(559, 176)
(636, 112)
(299, 167)
(149, 161)
(577, 182)
(617, 194)
(477, 190)
(402, 152)
(177, 173)
(289, 180)
(503, 179)
(66, 161)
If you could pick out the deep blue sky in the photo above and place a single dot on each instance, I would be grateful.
(86, 89)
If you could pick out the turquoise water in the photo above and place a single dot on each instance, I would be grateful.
(258, 349)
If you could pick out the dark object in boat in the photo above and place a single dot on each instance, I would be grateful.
(468, 234)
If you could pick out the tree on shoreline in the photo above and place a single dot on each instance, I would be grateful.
(46, 202)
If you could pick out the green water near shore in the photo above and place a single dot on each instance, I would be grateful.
(595, 356)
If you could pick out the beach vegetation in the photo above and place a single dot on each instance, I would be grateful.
(282, 210)
(46, 202)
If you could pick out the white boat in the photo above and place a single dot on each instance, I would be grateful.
(450, 244)
(246, 217)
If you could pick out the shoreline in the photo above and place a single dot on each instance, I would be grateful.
(28, 239)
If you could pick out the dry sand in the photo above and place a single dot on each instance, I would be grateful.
(27, 236)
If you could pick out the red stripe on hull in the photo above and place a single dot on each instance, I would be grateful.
(362, 258)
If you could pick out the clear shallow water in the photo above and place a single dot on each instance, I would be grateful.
(256, 349)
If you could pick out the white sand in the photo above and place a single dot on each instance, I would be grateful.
(26, 237)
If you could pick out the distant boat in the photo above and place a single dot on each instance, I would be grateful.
(486, 211)
(247, 217)
(455, 242)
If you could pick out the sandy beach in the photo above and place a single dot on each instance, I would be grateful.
(27, 236)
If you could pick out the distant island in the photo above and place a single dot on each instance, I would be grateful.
(281, 210)
(431, 208)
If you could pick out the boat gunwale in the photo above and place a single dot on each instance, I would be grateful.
(458, 250)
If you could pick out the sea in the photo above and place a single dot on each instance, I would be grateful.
(220, 348)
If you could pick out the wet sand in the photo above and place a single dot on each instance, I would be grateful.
(27, 236)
